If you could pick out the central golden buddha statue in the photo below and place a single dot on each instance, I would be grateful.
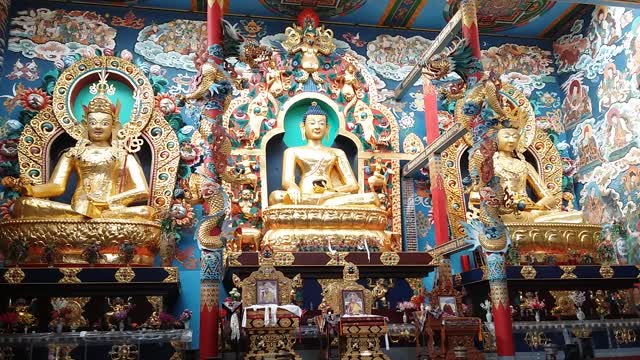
(326, 177)
(109, 178)
(324, 209)
(515, 175)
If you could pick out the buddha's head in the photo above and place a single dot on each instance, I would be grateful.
(314, 123)
(508, 139)
(99, 117)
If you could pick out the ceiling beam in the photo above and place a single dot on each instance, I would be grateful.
(439, 43)
(634, 4)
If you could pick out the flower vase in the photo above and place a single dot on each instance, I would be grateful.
(26, 329)
(186, 325)
(538, 315)
(580, 314)
(58, 328)
(404, 317)
(121, 325)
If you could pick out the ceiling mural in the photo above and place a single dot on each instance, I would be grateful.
(324, 8)
(499, 15)
(532, 18)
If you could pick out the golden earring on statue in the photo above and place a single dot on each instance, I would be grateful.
(326, 135)
(304, 137)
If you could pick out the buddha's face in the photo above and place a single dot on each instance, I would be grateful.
(508, 139)
(315, 127)
(100, 126)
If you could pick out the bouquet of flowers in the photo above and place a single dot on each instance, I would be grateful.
(122, 314)
(406, 306)
(578, 297)
(537, 304)
(26, 319)
(606, 252)
(186, 315)
(166, 319)
(9, 320)
(60, 316)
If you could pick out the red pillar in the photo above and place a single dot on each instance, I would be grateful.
(502, 318)
(210, 280)
(438, 197)
(470, 31)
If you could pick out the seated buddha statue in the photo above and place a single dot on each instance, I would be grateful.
(326, 177)
(109, 179)
(516, 174)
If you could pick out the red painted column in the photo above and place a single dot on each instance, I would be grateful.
(438, 196)
(214, 22)
(211, 274)
(502, 318)
(470, 31)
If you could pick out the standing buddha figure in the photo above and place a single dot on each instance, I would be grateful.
(109, 179)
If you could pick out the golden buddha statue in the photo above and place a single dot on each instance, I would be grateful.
(326, 177)
(324, 208)
(109, 178)
(515, 175)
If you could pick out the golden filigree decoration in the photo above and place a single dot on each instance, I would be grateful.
(485, 272)
(564, 304)
(332, 292)
(581, 332)
(70, 275)
(568, 272)
(415, 283)
(266, 273)
(118, 69)
(499, 292)
(606, 271)
(172, 275)
(528, 272)
(554, 238)
(284, 259)
(125, 275)
(72, 236)
(209, 293)
(389, 258)
(336, 258)
(14, 275)
(231, 258)
(412, 144)
(34, 140)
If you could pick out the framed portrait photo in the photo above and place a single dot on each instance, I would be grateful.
(266, 292)
(353, 302)
(448, 305)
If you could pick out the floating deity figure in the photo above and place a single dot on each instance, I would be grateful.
(318, 164)
(109, 178)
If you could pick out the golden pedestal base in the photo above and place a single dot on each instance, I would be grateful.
(72, 237)
(290, 227)
(559, 240)
(271, 342)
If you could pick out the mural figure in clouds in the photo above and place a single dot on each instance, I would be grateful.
(613, 88)
(618, 134)
(577, 104)
(589, 151)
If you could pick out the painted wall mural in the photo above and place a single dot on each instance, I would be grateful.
(599, 63)
(172, 44)
(53, 34)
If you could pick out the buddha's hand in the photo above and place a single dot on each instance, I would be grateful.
(98, 203)
(18, 185)
(547, 202)
(294, 194)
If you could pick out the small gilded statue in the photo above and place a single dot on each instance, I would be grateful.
(109, 178)
(310, 40)
(317, 164)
